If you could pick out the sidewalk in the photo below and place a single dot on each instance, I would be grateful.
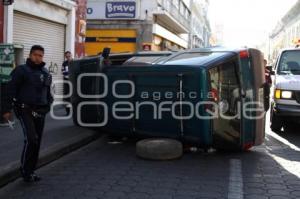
(60, 137)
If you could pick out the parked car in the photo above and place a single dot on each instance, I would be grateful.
(285, 105)
(202, 96)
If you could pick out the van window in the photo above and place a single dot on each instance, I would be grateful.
(190, 55)
(225, 82)
(289, 62)
(143, 59)
(193, 58)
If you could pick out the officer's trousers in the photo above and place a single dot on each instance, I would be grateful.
(33, 129)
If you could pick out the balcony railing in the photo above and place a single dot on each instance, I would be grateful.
(174, 11)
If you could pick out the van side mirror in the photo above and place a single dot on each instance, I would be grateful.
(269, 67)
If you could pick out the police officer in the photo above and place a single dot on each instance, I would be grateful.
(65, 72)
(30, 97)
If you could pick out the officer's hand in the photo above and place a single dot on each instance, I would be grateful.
(7, 116)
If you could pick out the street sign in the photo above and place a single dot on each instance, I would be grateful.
(7, 2)
(120, 9)
(7, 62)
(114, 10)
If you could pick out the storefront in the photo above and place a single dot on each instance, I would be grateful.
(163, 39)
(119, 25)
(27, 31)
(118, 40)
(49, 23)
(163, 44)
(130, 26)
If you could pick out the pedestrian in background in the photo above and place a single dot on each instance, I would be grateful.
(267, 73)
(268, 83)
(30, 97)
(65, 72)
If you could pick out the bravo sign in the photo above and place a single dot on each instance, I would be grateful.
(120, 9)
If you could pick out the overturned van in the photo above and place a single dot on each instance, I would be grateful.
(206, 97)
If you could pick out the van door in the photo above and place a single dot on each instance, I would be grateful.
(225, 86)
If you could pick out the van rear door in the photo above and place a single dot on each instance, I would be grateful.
(258, 70)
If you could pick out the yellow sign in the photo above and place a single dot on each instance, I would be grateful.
(110, 38)
(101, 39)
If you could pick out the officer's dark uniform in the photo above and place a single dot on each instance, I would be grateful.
(30, 96)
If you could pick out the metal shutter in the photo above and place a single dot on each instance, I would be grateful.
(29, 30)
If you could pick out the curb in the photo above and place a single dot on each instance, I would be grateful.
(11, 172)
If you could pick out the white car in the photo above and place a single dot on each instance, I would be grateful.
(285, 105)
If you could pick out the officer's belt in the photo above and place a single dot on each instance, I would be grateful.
(32, 108)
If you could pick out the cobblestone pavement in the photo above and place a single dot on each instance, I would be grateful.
(56, 131)
(104, 170)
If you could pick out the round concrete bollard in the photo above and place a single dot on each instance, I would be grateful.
(159, 149)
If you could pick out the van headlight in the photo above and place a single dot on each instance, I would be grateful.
(282, 94)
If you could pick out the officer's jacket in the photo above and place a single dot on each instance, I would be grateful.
(30, 85)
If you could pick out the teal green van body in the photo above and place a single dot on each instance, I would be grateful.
(174, 99)
(161, 85)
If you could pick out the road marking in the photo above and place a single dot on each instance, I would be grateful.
(292, 167)
(235, 187)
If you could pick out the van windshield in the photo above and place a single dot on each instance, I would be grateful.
(290, 63)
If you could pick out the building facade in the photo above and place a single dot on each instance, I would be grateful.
(287, 32)
(136, 25)
(50, 23)
(200, 31)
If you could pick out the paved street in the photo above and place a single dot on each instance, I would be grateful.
(56, 131)
(104, 170)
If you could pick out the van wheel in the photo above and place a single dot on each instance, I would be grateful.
(159, 149)
(276, 122)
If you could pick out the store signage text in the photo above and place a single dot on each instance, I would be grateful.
(121, 9)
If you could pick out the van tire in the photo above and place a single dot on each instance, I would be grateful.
(276, 122)
(159, 149)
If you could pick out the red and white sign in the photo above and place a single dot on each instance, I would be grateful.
(147, 47)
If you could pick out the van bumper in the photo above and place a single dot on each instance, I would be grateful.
(287, 110)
